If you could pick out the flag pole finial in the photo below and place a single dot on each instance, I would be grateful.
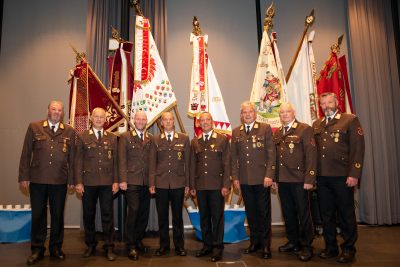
(310, 19)
(79, 56)
(114, 34)
(336, 47)
(268, 21)
(135, 3)
(197, 30)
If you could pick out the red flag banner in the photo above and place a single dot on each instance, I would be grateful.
(343, 64)
(332, 81)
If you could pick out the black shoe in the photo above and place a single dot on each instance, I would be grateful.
(162, 251)
(110, 254)
(181, 251)
(345, 257)
(141, 247)
(305, 255)
(328, 253)
(58, 255)
(133, 255)
(203, 252)
(252, 249)
(89, 252)
(34, 258)
(289, 247)
(266, 253)
(216, 256)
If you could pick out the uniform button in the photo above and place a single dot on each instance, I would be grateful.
(51, 147)
(169, 171)
(248, 162)
(281, 148)
(142, 161)
(283, 141)
(205, 172)
(247, 154)
(142, 169)
(50, 162)
(52, 140)
(100, 153)
(342, 158)
(323, 156)
(324, 139)
(99, 160)
(99, 146)
(326, 132)
(205, 149)
(281, 156)
(298, 168)
(247, 140)
(281, 164)
(99, 168)
(169, 163)
(205, 157)
(169, 149)
(169, 156)
(205, 164)
(84, 171)
(247, 147)
(323, 147)
(51, 155)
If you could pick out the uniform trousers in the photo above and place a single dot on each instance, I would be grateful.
(89, 201)
(163, 197)
(55, 194)
(295, 201)
(138, 199)
(211, 208)
(333, 192)
(257, 200)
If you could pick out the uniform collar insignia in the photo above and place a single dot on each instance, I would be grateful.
(200, 136)
(214, 135)
(294, 125)
(147, 135)
(105, 133)
(176, 135)
(45, 124)
(256, 125)
(280, 128)
(212, 146)
(61, 126)
(134, 133)
(323, 119)
(162, 136)
(337, 116)
(90, 131)
(241, 127)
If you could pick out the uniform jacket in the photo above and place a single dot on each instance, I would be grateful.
(133, 158)
(210, 165)
(296, 154)
(95, 162)
(169, 163)
(47, 158)
(340, 146)
(253, 155)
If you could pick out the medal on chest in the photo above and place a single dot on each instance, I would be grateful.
(179, 155)
(291, 146)
(109, 154)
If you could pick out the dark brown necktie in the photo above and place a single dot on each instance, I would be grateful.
(206, 139)
(169, 139)
(99, 136)
(52, 129)
(286, 129)
(248, 130)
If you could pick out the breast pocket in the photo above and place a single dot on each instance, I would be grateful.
(64, 145)
(179, 152)
(39, 142)
(89, 150)
(133, 150)
(260, 142)
(341, 135)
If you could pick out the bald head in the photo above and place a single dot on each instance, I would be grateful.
(168, 122)
(140, 120)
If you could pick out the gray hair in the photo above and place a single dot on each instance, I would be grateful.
(162, 116)
(99, 109)
(327, 94)
(248, 103)
(286, 104)
(56, 102)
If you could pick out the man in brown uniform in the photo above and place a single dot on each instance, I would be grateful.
(210, 180)
(96, 176)
(340, 144)
(169, 180)
(46, 168)
(133, 169)
(296, 161)
(253, 170)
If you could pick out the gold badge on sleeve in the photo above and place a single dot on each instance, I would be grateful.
(109, 154)
(358, 165)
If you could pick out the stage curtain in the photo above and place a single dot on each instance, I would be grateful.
(376, 95)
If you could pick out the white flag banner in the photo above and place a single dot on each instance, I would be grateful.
(152, 90)
(301, 84)
(268, 91)
(205, 94)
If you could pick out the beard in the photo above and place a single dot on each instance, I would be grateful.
(329, 111)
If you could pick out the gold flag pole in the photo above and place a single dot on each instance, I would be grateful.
(310, 19)
(81, 56)
(335, 49)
